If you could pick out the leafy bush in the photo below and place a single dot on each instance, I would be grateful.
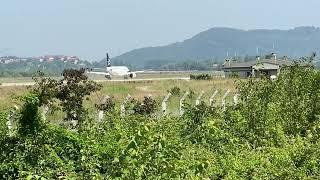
(234, 75)
(30, 121)
(3, 124)
(175, 91)
(147, 107)
(107, 106)
(200, 77)
(70, 91)
(191, 94)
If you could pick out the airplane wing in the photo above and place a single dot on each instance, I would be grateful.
(137, 72)
(99, 73)
(98, 69)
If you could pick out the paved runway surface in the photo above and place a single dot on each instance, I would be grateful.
(100, 81)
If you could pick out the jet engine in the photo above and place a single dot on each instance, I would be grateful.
(132, 75)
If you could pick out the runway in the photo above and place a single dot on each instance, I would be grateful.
(101, 81)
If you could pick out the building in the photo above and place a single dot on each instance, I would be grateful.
(270, 66)
(47, 58)
(10, 59)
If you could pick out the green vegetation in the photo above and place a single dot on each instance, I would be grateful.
(273, 133)
(30, 67)
(147, 107)
(138, 90)
(189, 65)
(200, 77)
(175, 91)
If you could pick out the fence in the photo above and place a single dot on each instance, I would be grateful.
(199, 99)
(123, 106)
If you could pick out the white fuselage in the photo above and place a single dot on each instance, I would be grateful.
(118, 70)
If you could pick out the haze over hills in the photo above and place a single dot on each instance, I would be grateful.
(217, 42)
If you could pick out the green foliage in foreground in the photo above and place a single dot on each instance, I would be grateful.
(272, 134)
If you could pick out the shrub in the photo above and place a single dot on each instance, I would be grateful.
(175, 91)
(234, 75)
(71, 91)
(200, 77)
(107, 106)
(147, 107)
(191, 94)
(3, 125)
(30, 121)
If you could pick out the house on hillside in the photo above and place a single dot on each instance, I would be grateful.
(270, 66)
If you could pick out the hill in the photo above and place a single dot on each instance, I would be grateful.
(216, 42)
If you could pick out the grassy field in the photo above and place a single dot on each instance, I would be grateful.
(139, 89)
(8, 96)
(146, 75)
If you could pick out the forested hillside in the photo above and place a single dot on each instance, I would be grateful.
(217, 42)
(29, 68)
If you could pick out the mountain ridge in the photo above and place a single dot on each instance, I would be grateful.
(216, 42)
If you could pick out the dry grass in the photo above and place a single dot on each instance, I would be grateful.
(157, 89)
(160, 88)
(8, 96)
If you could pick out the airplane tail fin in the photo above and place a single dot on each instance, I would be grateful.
(108, 61)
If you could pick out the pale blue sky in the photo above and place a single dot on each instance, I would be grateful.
(89, 28)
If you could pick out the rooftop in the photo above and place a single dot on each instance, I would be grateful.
(234, 64)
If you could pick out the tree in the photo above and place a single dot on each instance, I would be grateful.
(70, 91)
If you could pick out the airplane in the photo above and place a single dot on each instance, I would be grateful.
(116, 71)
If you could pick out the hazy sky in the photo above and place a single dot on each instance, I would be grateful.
(89, 28)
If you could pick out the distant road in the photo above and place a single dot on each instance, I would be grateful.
(17, 84)
(101, 81)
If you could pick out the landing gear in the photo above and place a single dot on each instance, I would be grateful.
(108, 77)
